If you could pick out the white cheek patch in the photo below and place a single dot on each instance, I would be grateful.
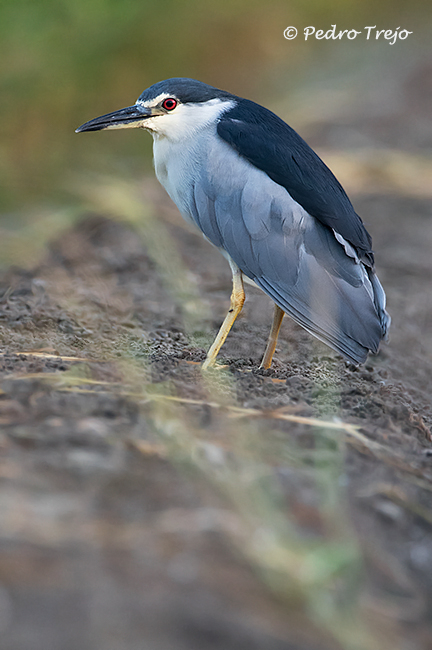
(186, 119)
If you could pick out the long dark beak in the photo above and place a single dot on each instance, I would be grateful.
(130, 117)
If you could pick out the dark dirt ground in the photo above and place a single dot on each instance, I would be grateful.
(111, 536)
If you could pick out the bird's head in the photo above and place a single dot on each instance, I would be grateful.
(173, 108)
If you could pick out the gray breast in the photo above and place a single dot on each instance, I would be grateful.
(180, 165)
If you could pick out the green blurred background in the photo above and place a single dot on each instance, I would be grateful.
(63, 62)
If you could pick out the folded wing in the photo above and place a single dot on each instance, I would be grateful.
(311, 272)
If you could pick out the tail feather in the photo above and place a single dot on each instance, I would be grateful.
(352, 320)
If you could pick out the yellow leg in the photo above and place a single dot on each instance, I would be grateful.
(273, 337)
(237, 301)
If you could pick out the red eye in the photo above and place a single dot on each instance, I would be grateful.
(169, 104)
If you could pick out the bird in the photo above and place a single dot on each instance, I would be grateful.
(261, 195)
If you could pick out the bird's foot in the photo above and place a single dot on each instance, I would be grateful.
(210, 364)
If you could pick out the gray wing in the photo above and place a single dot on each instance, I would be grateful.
(272, 146)
(314, 275)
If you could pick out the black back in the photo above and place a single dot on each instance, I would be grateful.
(270, 144)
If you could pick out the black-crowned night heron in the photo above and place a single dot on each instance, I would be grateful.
(262, 196)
